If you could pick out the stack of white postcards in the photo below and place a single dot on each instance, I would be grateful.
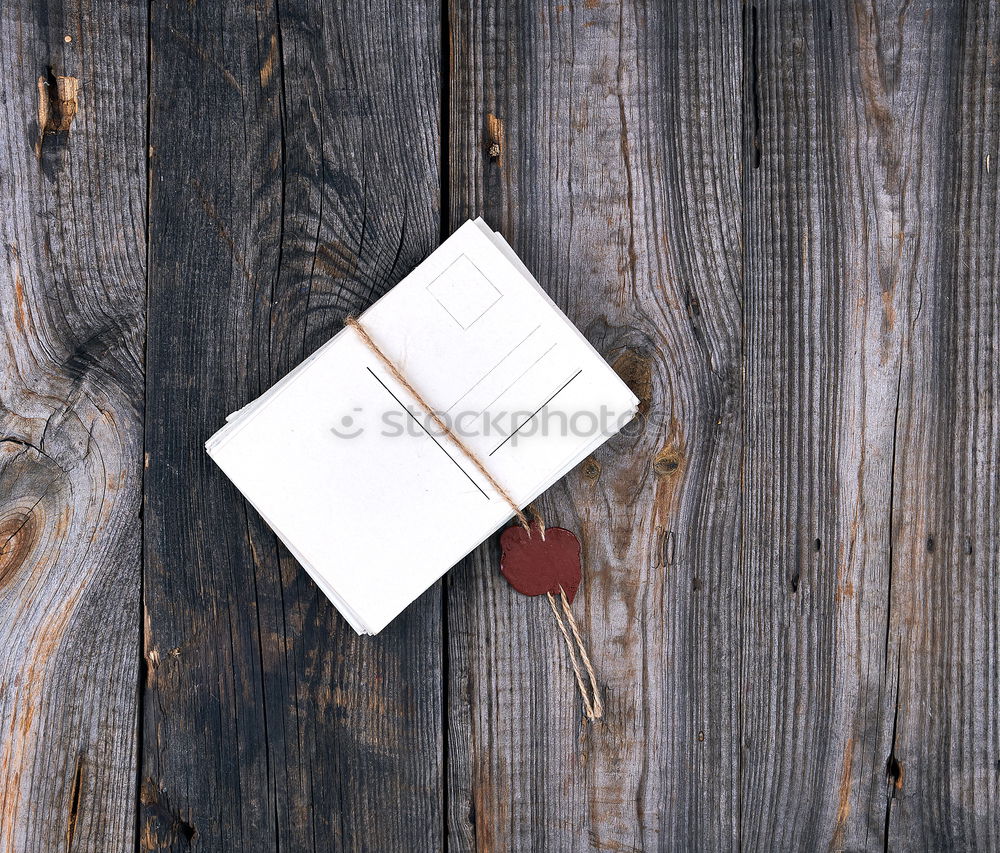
(372, 497)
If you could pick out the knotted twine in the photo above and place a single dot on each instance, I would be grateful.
(593, 708)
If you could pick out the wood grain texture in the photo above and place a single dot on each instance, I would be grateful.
(944, 766)
(603, 140)
(294, 179)
(793, 296)
(828, 294)
(72, 184)
(777, 220)
(852, 337)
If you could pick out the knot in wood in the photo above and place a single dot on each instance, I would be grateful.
(57, 103)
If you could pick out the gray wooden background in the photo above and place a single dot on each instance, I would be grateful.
(778, 221)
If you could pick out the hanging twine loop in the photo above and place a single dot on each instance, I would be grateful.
(592, 705)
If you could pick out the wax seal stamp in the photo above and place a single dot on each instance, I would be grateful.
(534, 565)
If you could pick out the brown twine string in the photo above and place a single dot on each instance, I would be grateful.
(397, 374)
(594, 709)
(598, 705)
(539, 521)
(588, 707)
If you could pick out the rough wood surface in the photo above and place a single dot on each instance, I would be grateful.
(777, 220)
(861, 431)
(619, 184)
(761, 215)
(72, 292)
(943, 767)
(294, 178)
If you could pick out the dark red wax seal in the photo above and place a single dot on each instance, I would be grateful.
(534, 566)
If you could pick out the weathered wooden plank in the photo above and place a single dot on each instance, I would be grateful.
(845, 321)
(791, 585)
(72, 291)
(295, 178)
(617, 180)
(943, 769)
